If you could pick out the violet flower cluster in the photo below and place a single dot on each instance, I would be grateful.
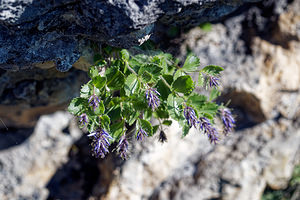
(141, 134)
(94, 101)
(152, 98)
(228, 120)
(209, 130)
(123, 147)
(190, 116)
(100, 142)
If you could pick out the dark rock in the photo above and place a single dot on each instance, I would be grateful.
(37, 31)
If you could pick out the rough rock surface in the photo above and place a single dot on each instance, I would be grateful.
(26, 166)
(56, 31)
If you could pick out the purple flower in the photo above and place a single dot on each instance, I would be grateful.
(162, 137)
(83, 119)
(152, 98)
(140, 134)
(228, 120)
(100, 142)
(123, 147)
(211, 132)
(213, 81)
(94, 101)
(190, 116)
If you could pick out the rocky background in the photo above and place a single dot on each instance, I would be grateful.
(48, 157)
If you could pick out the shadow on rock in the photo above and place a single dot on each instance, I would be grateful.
(83, 175)
(11, 136)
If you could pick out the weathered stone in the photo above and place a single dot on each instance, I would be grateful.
(51, 31)
(27, 167)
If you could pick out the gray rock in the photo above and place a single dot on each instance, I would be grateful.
(43, 31)
(27, 167)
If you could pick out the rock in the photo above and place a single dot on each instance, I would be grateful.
(53, 31)
(27, 95)
(27, 167)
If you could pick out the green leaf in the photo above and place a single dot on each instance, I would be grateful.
(124, 54)
(167, 122)
(155, 128)
(174, 107)
(117, 130)
(93, 72)
(115, 114)
(197, 100)
(183, 84)
(84, 91)
(191, 63)
(153, 69)
(163, 89)
(185, 130)
(146, 77)
(100, 109)
(178, 73)
(115, 78)
(161, 113)
(99, 81)
(105, 122)
(214, 93)
(132, 85)
(146, 126)
(209, 109)
(77, 106)
(212, 70)
(201, 79)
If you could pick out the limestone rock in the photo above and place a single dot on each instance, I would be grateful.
(27, 167)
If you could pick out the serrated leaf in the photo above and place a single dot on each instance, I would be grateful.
(116, 130)
(201, 79)
(214, 93)
(173, 104)
(191, 63)
(185, 130)
(99, 81)
(212, 70)
(197, 100)
(93, 72)
(146, 126)
(167, 122)
(105, 122)
(178, 73)
(115, 78)
(84, 91)
(146, 77)
(209, 108)
(183, 84)
(153, 69)
(132, 85)
(77, 106)
(124, 54)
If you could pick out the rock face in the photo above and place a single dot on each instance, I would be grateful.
(56, 31)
